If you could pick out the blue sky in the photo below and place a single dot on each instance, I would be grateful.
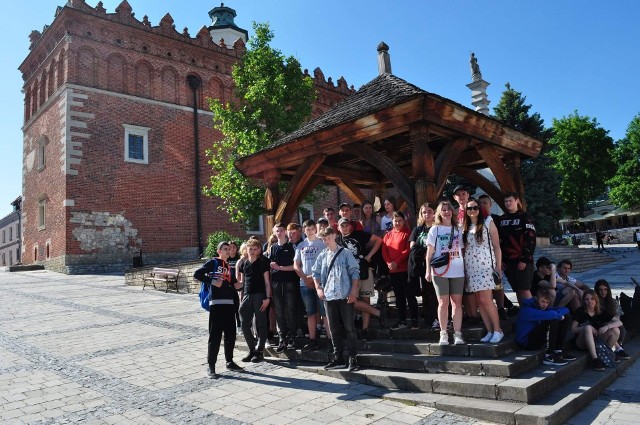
(562, 55)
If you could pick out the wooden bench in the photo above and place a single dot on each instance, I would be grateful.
(159, 274)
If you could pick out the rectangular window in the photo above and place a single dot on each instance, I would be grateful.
(10, 233)
(42, 209)
(42, 160)
(255, 226)
(11, 258)
(4, 262)
(4, 236)
(305, 212)
(136, 147)
(136, 144)
(18, 255)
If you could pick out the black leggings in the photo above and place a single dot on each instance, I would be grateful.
(403, 296)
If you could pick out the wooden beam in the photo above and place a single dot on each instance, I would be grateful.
(290, 210)
(447, 158)
(351, 190)
(271, 197)
(494, 161)
(482, 182)
(298, 183)
(387, 167)
(423, 165)
(513, 166)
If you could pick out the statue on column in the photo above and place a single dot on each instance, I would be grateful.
(475, 68)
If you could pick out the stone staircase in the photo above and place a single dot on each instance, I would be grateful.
(583, 259)
(491, 382)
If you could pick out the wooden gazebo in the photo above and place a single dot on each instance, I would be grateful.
(390, 133)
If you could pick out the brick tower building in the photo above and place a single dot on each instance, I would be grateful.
(115, 132)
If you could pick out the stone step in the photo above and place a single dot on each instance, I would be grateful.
(509, 365)
(471, 332)
(430, 347)
(582, 259)
(526, 388)
(555, 406)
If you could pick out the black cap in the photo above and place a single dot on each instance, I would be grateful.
(460, 187)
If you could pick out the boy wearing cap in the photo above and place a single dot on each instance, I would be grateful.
(216, 274)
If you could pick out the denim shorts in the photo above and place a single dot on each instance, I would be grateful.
(311, 300)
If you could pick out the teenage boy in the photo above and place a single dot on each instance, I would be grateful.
(545, 277)
(306, 254)
(254, 272)
(518, 242)
(336, 274)
(284, 284)
(344, 210)
(363, 246)
(539, 325)
(330, 214)
(356, 212)
(216, 274)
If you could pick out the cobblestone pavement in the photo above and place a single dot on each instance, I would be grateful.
(90, 349)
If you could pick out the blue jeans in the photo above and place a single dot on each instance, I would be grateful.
(284, 301)
(341, 316)
(311, 301)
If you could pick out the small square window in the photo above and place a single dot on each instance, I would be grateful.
(136, 144)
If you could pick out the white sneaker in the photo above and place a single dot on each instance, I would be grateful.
(487, 337)
(444, 338)
(497, 337)
(457, 338)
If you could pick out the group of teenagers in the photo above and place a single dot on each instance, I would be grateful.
(331, 273)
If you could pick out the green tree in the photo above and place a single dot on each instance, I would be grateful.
(541, 181)
(581, 150)
(625, 184)
(272, 98)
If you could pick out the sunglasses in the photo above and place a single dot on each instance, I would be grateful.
(476, 208)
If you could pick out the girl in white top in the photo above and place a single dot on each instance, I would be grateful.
(449, 279)
(386, 221)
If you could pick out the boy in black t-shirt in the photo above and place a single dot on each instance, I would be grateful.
(256, 299)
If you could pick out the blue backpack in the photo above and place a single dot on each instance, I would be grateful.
(204, 296)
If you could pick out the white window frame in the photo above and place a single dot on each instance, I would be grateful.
(260, 230)
(136, 130)
(307, 207)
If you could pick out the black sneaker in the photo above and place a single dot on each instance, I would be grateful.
(353, 364)
(554, 360)
(291, 345)
(337, 363)
(568, 356)
(415, 324)
(597, 364)
(364, 335)
(257, 357)
(311, 346)
(233, 366)
(622, 355)
(281, 347)
(399, 325)
(248, 357)
(211, 372)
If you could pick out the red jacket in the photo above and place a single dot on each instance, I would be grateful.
(395, 248)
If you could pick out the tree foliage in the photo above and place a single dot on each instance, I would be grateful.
(541, 181)
(272, 97)
(625, 184)
(581, 150)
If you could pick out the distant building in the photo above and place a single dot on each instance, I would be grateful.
(10, 230)
(109, 142)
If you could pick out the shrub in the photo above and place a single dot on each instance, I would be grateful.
(214, 239)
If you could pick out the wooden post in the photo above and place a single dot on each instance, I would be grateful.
(271, 198)
(424, 168)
